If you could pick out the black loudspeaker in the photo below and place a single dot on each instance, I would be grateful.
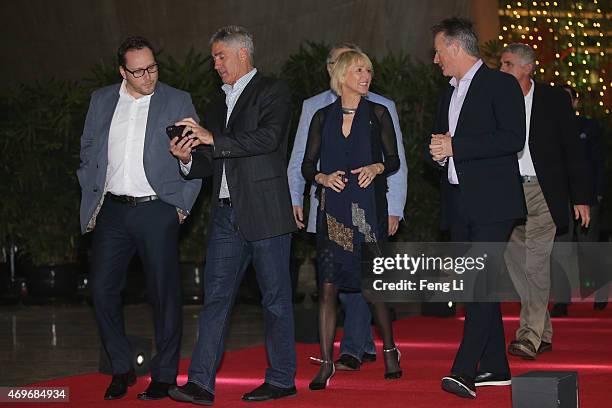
(141, 356)
(545, 389)
(306, 325)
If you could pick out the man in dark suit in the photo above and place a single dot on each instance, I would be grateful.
(243, 144)
(134, 196)
(479, 128)
(590, 135)
(555, 171)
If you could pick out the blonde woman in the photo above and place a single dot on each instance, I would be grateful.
(354, 141)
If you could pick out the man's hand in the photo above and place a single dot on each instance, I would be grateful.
(181, 149)
(298, 214)
(583, 213)
(181, 217)
(440, 146)
(334, 180)
(201, 135)
(393, 224)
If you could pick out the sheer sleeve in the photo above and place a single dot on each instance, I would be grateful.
(313, 147)
(388, 141)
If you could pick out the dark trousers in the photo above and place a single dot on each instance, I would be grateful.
(357, 338)
(227, 258)
(151, 229)
(483, 346)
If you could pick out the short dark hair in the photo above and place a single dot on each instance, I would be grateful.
(132, 43)
(460, 30)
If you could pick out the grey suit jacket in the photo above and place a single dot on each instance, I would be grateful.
(162, 170)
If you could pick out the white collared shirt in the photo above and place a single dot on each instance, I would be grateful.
(232, 93)
(125, 173)
(525, 162)
(454, 110)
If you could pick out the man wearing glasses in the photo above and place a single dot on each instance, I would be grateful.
(135, 198)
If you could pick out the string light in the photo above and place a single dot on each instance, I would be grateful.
(577, 62)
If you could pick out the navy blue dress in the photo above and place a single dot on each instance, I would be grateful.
(356, 215)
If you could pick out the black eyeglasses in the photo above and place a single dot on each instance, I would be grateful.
(140, 72)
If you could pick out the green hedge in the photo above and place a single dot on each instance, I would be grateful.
(41, 124)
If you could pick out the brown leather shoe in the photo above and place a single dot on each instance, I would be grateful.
(544, 347)
(522, 348)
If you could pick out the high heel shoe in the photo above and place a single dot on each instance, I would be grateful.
(320, 384)
(394, 375)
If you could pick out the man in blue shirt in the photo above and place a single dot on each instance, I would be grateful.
(357, 345)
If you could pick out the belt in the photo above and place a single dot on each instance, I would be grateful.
(225, 202)
(131, 200)
(529, 179)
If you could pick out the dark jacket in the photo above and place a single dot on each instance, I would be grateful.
(558, 156)
(490, 132)
(253, 147)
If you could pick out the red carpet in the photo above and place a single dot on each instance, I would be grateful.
(581, 343)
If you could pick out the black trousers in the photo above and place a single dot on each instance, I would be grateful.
(151, 229)
(483, 346)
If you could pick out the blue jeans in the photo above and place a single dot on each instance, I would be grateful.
(227, 258)
(357, 337)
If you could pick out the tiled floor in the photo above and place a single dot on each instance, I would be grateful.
(42, 342)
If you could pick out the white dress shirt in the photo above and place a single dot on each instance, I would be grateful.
(454, 110)
(525, 162)
(232, 93)
(125, 173)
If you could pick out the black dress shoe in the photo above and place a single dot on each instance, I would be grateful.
(544, 347)
(522, 348)
(491, 379)
(559, 310)
(368, 358)
(119, 385)
(346, 362)
(155, 391)
(459, 385)
(267, 392)
(191, 392)
(600, 305)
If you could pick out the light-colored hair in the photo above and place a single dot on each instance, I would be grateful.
(523, 51)
(237, 36)
(345, 60)
(347, 45)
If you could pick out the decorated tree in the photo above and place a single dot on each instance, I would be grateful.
(571, 41)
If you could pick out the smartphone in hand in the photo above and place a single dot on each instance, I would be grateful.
(176, 131)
